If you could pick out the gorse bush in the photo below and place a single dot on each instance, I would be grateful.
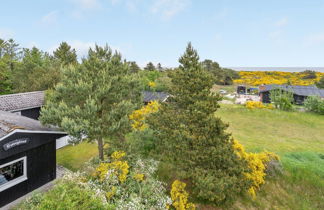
(180, 196)
(257, 162)
(314, 104)
(138, 116)
(258, 105)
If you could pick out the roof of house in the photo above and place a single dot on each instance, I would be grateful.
(21, 101)
(10, 122)
(298, 90)
(154, 96)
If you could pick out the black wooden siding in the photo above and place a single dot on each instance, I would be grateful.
(31, 113)
(41, 163)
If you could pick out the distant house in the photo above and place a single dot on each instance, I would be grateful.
(27, 155)
(154, 96)
(24, 104)
(300, 93)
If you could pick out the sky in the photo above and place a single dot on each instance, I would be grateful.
(288, 33)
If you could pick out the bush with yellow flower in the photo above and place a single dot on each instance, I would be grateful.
(257, 163)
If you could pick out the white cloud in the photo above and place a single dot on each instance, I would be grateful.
(84, 6)
(282, 22)
(50, 18)
(275, 35)
(6, 33)
(169, 8)
(87, 4)
(315, 39)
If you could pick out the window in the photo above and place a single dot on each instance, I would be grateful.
(13, 173)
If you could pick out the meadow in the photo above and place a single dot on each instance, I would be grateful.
(298, 139)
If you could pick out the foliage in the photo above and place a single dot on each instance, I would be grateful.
(138, 116)
(256, 78)
(9, 57)
(36, 71)
(161, 80)
(282, 99)
(94, 99)
(222, 76)
(257, 105)
(320, 83)
(139, 189)
(118, 167)
(180, 196)
(65, 54)
(257, 163)
(189, 136)
(314, 104)
(133, 67)
(150, 67)
(66, 194)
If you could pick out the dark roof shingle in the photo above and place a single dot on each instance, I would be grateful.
(154, 96)
(10, 122)
(21, 101)
(296, 89)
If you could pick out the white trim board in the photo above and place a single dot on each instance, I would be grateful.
(30, 131)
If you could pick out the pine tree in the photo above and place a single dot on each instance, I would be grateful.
(195, 141)
(150, 67)
(65, 54)
(94, 99)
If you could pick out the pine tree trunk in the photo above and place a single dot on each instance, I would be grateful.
(100, 149)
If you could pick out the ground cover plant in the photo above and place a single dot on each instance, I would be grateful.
(256, 78)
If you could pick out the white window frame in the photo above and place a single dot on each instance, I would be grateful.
(18, 179)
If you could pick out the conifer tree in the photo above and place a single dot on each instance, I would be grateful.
(65, 54)
(195, 141)
(94, 99)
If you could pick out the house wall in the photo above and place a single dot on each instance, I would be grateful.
(40, 153)
(31, 113)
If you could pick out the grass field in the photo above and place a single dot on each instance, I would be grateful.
(274, 130)
(298, 138)
(73, 157)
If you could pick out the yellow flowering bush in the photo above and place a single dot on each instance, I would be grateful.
(139, 177)
(152, 84)
(117, 167)
(179, 196)
(138, 116)
(257, 164)
(258, 105)
(256, 78)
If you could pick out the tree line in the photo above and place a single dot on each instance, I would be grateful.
(31, 69)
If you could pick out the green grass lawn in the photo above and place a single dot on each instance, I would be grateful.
(274, 130)
(73, 157)
(298, 138)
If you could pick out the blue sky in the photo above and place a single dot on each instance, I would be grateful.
(231, 32)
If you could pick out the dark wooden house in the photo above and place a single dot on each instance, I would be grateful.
(300, 93)
(27, 155)
(24, 104)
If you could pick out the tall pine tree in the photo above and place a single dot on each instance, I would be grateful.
(65, 54)
(195, 141)
(94, 99)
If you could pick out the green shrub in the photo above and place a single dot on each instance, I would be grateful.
(314, 104)
(67, 195)
(282, 99)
